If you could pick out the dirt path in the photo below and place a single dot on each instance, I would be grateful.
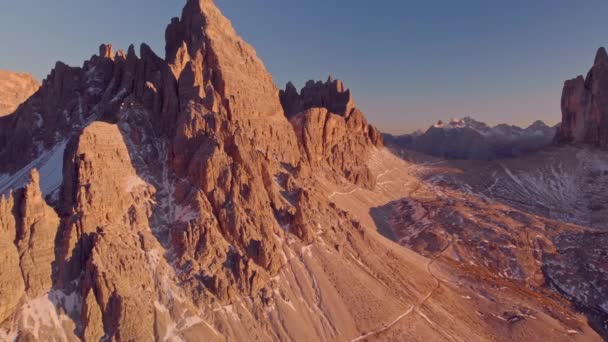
(414, 308)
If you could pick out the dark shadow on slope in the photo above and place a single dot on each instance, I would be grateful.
(381, 217)
(149, 155)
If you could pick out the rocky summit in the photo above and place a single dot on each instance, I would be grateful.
(585, 106)
(187, 198)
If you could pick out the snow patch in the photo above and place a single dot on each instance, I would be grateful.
(50, 167)
(134, 182)
(6, 335)
(119, 96)
(42, 313)
(307, 251)
(39, 120)
(184, 214)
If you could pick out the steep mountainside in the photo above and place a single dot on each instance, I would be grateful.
(15, 88)
(532, 224)
(470, 139)
(185, 198)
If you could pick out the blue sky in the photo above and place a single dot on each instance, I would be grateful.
(409, 63)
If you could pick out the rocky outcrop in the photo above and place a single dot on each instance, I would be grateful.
(15, 88)
(330, 95)
(331, 131)
(12, 286)
(585, 106)
(36, 231)
(28, 228)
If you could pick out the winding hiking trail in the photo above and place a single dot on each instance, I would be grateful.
(415, 308)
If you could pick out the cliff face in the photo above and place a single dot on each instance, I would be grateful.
(15, 88)
(28, 227)
(332, 132)
(585, 106)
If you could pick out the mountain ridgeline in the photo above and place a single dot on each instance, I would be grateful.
(473, 140)
(187, 198)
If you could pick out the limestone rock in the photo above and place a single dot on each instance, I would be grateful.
(331, 130)
(330, 95)
(15, 88)
(585, 106)
(37, 225)
(204, 47)
(12, 286)
(28, 228)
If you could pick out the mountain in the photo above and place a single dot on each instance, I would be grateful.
(470, 139)
(331, 129)
(186, 198)
(585, 106)
(15, 88)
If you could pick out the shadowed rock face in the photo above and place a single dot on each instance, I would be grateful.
(15, 88)
(330, 95)
(585, 106)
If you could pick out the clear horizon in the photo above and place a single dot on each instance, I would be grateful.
(408, 64)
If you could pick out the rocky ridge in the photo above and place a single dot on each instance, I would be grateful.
(331, 130)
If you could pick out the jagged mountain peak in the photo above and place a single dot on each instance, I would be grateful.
(205, 52)
(584, 106)
(331, 95)
(465, 122)
(601, 57)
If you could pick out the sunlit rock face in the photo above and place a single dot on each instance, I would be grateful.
(15, 88)
(332, 132)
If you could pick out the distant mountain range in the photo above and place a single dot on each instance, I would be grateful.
(470, 139)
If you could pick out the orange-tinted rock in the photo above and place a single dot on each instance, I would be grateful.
(15, 88)
(36, 232)
(331, 130)
(220, 62)
(12, 287)
(28, 227)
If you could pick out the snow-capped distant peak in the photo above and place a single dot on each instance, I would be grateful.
(466, 122)
(502, 131)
